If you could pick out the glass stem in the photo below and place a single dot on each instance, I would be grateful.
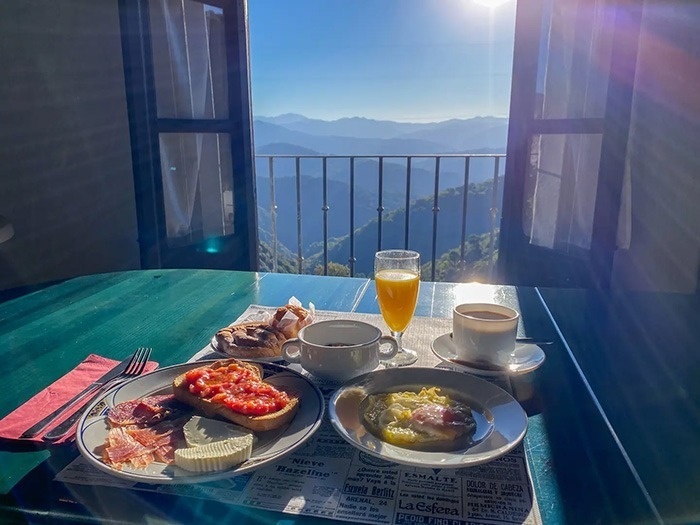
(397, 336)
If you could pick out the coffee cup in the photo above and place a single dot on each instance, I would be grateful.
(340, 349)
(484, 333)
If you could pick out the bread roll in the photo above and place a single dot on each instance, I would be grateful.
(250, 340)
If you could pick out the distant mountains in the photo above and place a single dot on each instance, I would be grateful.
(361, 136)
(293, 134)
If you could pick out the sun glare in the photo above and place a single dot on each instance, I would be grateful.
(490, 3)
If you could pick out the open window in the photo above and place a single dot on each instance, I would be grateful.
(573, 76)
(187, 75)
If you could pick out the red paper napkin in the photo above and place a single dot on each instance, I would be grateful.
(92, 368)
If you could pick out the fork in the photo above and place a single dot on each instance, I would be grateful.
(134, 368)
(80, 398)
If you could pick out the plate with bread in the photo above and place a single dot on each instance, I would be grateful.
(200, 421)
(261, 338)
(427, 417)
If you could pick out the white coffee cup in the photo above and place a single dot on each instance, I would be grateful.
(339, 349)
(484, 333)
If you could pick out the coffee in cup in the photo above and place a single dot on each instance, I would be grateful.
(340, 349)
(484, 333)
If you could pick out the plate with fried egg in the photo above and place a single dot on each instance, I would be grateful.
(427, 417)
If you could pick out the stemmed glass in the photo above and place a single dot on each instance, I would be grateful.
(397, 279)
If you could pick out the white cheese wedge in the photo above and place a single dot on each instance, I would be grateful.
(220, 455)
(203, 431)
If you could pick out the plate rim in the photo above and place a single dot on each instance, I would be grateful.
(468, 461)
(87, 420)
(481, 371)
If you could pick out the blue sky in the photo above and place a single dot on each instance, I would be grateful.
(404, 60)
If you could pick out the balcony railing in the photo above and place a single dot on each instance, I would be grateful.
(268, 173)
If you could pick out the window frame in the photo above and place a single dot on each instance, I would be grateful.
(240, 249)
(520, 262)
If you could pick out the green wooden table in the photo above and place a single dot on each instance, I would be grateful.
(586, 464)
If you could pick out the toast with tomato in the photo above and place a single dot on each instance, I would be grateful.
(235, 390)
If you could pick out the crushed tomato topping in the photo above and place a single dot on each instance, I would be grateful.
(237, 388)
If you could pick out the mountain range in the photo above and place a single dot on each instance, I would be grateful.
(361, 136)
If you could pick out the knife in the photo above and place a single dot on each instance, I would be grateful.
(528, 340)
(532, 341)
(36, 429)
(66, 426)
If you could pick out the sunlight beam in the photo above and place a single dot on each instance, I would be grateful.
(490, 3)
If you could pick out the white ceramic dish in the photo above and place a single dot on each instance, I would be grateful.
(215, 346)
(501, 422)
(270, 446)
(528, 357)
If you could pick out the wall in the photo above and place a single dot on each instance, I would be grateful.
(664, 160)
(66, 181)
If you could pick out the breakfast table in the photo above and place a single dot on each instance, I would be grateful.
(613, 419)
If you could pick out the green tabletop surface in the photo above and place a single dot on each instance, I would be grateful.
(613, 418)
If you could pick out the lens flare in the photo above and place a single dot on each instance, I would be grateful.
(490, 3)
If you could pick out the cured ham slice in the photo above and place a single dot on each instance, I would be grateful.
(145, 411)
(143, 431)
(140, 446)
(122, 414)
(122, 448)
(163, 438)
(441, 422)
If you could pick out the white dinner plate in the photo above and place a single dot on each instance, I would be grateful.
(273, 359)
(270, 446)
(527, 357)
(501, 422)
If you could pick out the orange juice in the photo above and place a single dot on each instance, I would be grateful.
(397, 292)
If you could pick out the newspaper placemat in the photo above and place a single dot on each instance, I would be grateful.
(330, 478)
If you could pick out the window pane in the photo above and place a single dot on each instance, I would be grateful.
(560, 190)
(197, 185)
(189, 59)
(574, 61)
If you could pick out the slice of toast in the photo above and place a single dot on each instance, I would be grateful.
(262, 423)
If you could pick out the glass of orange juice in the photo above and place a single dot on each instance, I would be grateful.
(397, 278)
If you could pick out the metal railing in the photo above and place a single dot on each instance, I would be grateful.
(410, 162)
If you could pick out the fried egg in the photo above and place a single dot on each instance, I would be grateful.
(425, 420)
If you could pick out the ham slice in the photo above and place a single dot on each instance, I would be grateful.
(123, 448)
(163, 438)
(143, 432)
(441, 422)
(139, 446)
(145, 411)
